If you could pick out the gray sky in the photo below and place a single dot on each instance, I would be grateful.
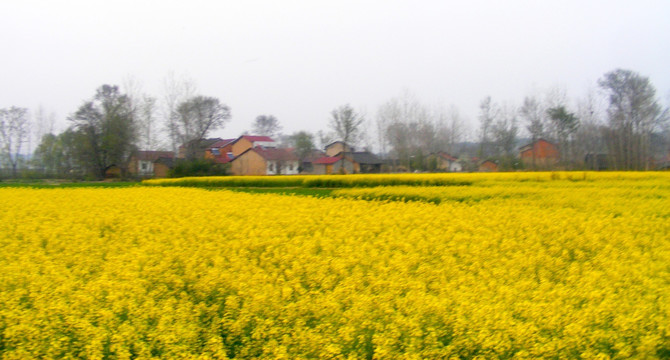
(298, 60)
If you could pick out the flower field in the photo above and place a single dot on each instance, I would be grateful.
(495, 266)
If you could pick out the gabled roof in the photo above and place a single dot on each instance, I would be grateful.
(446, 156)
(365, 157)
(272, 154)
(254, 138)
(338, 142)
(149, 155)
(530, 145)
(326, 160)
(221, 143)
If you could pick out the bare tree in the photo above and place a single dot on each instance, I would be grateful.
(14, 132)
(450, 129)
(633, 114)
(266, 125)
(144, 108)
(504, 132)
(588, 137)
(488, 113)
(198, 116)
(175, 92)
(346, 124)
(531, 111)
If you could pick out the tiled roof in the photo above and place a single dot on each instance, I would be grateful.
(221, 143)
(326, 160)
(254, 138)
(154, 155)
(446, 156)
(276, 154)
(365, 157)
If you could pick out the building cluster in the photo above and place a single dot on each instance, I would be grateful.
(261, 155)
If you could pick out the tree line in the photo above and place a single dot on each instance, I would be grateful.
(630, 130)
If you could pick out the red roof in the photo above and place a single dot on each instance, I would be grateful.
(153, 155)
(276, 154)
(327, 160)
(446, 156)
(221, 143)
(254, 138)
(223, 159)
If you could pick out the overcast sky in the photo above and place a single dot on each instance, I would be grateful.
(298, 60)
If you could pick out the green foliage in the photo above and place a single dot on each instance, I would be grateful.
(106, 131)
(198, 167)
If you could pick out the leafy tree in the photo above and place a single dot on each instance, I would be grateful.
(14, 132)
(107, 129)
(198, 116)
(266, 125)
(566, 125)
(303, 143)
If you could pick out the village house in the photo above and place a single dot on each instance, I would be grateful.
(342, 158)
(246, 142)
(196, 149)
(265, 161)
(361, 162)
(150, 163)
(488, 166)
(337, 147)
(221, 151)
(446, 162)
(540, 154)
(333, 165)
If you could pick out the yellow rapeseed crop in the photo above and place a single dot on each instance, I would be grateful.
(504, 268)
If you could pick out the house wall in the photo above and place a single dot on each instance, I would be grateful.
(336, 148)
(349, 166)
(319, 169)
(241, 146)
(287, 167)
(455, 166)
(160, 170)
(488, 166)
(222, 152)
(546, 154)
(249, 163)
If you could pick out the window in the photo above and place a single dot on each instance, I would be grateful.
(215, 152)
(271, 167)
(290, 166)
(143, 165)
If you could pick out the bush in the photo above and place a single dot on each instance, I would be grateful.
(198, 167)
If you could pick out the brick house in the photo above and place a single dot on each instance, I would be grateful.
(539, 154)
(246, 142)
(488, 166)
(265, 161)
(150, 163)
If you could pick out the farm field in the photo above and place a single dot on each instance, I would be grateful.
(462, 266)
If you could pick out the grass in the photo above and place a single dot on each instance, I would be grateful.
(284, 191)
(55, 185)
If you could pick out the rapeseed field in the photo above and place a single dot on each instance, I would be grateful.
(502, 266)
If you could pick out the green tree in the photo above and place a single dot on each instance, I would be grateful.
(303, 143)
(566, 125)
(107, 129)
